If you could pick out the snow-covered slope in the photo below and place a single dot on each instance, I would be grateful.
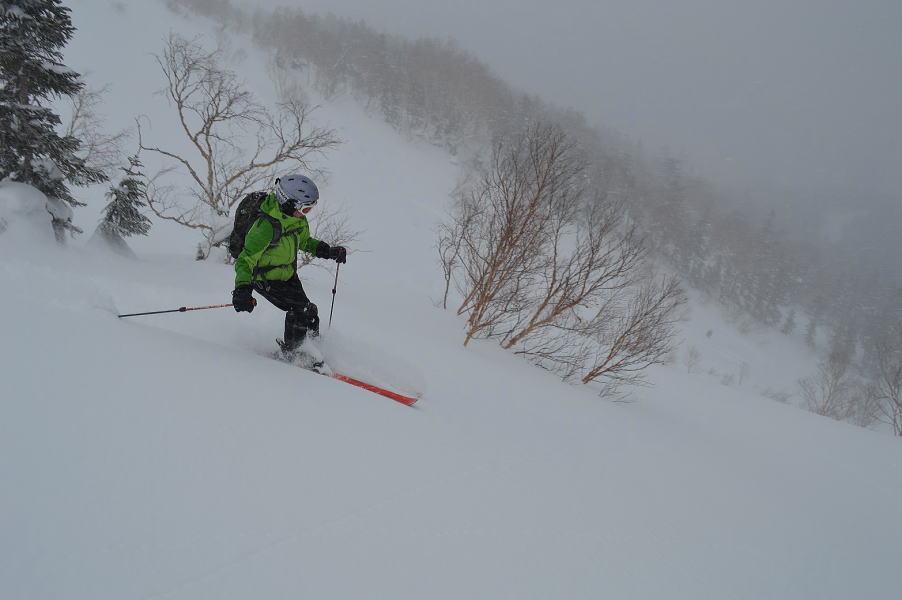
(164, 457)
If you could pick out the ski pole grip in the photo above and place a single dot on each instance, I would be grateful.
(253, 302)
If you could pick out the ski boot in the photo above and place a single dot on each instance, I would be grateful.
(307, 356)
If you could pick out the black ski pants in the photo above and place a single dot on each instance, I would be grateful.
(301, 316)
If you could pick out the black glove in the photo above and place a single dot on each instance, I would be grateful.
(338, 254)
(322, 250)
(242, 299)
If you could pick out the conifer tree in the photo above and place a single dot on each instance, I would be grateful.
(122, 216)
(32, 35)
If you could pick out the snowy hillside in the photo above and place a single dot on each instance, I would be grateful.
(166, 457)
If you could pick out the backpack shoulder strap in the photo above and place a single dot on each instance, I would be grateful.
(276, 229)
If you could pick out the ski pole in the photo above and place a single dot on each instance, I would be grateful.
(182, 309)
(334, 287)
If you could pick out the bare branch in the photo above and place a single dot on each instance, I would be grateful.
(887, 388)
(99, 150)
(237, 144)
(633, 339)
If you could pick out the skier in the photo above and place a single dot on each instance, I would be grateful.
(267, 262)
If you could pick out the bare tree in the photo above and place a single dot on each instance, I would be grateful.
(827, 393)
(887, 389)
(838, 391)
(99, 150)
(451, 242)
(824, 393)
(503, 227)
(633, 339)
(582, 270)
(237, 144)
(551, 272)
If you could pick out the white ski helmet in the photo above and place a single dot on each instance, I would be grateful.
(294, 192)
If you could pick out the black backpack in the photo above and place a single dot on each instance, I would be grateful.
(248, 212)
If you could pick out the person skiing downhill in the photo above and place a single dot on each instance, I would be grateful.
(267, 262)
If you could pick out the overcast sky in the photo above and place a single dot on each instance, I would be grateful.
(797, 93)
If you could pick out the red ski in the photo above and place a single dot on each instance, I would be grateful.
(405, 400)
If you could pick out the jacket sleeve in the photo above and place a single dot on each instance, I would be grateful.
(310, 243)
(255, 243)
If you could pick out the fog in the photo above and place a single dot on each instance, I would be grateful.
(796, 96)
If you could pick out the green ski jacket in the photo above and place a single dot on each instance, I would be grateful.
(258, 262)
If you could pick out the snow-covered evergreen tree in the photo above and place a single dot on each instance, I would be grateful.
(122, 216)
(32, 35)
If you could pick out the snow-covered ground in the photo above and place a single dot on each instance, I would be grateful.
(164, 457)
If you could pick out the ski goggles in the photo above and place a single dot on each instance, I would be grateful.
(293, 205)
